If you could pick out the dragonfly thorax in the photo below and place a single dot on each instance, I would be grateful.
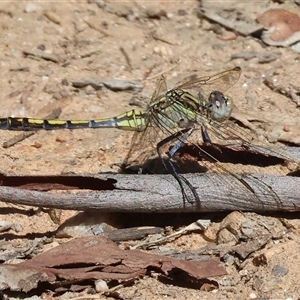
(175, 110)
(219, 106)
(186, 99)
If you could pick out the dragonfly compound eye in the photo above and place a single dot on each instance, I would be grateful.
(220, 106)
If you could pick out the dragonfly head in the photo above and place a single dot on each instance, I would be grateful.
(220, 106)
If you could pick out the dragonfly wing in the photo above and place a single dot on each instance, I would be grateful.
(231, 175)
(230, 134)
(141, 149)
(207, 84)
(160, 89)
(161, 123)
(143, 145)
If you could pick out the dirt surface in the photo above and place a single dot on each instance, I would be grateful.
(47, 46)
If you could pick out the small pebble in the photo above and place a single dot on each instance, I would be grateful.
(41, 47)
(60, 139)
(30, 7)
(52, 87)
(101, 286)
(53, 17)
(5, 226)
(64, 93)
(228, 259)
(162, 51)
(80, 25)
(170, 15)
(181, 12)
(228, 36)
(16, 227)
(47, 73)
(89, 90)
(279, 271)
(252, 296)
(106, 144)
(156, 50)
(37, 145)
(65, 82)
(155, 13)
(57, 96)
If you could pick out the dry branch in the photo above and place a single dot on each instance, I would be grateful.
(161, 193)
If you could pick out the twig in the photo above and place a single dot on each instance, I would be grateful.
(19, 69)
(38, 54)
(127, 58)
(162, 72)
(195, 226)
(96, 27)
(24, 135)
(89, 53)
(157, 37)
(16, 139)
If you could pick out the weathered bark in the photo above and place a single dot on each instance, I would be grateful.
(161, 193)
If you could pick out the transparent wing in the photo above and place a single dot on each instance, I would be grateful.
(158, 128)
(142, 148)
(160, 89)
(225, 175)
(230, 134)
(207, 84)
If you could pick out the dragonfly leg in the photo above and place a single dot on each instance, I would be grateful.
(180, 137)
(206, 139)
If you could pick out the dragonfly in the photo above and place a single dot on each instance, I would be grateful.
(171, 119)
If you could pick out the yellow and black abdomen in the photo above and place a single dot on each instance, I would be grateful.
(131, 120)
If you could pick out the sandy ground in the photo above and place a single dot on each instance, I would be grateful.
(138, 41)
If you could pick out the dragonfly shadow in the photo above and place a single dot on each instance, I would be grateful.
(227, 154)
(295, 173)
(188, 159)
(156, 166)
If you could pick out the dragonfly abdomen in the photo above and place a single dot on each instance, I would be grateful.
(11, 123)
(131, 120)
